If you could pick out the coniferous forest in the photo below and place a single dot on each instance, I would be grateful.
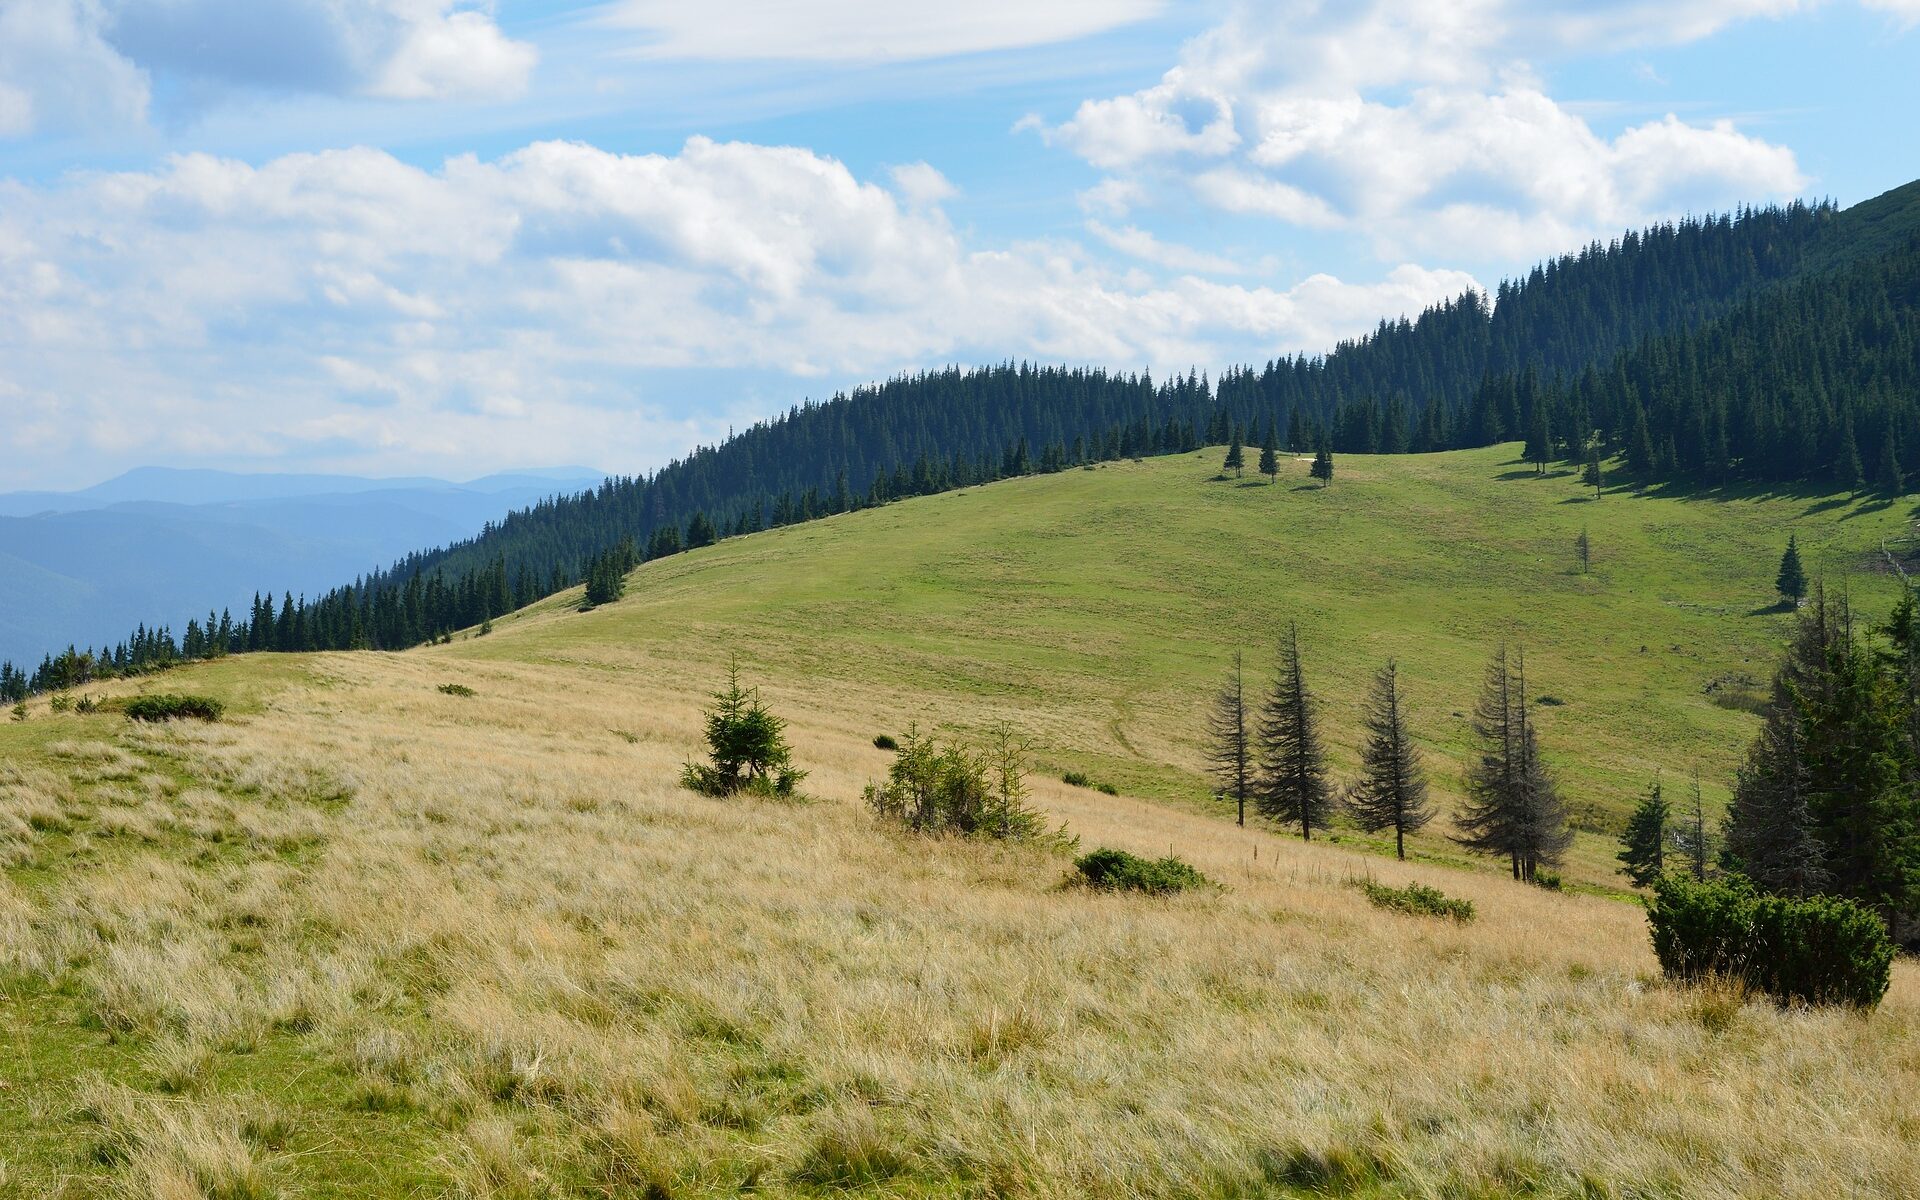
(1772, 347)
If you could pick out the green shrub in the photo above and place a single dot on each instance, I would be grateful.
(1081, 779)
(86, 704)
(1549, 880)
(60, 702)
(1418, 899)
(885, 741)
(1817, 950)
(169, 706)
(457, 689)
(954, 788)
(747, 747)
(1118, 871)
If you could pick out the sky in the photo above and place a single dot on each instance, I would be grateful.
(447, 237)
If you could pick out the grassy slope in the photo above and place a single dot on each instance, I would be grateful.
(1098, 609)
(366, 939)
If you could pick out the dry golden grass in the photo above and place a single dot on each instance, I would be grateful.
(498, 921)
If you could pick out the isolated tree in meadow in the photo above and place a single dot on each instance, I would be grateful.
(1322, 468)
(1643, 857)
(746, 745)
(1592, 476)
(1270, 457)
(1236, 456)
(1513, 805)
(1291, 786)
(1791, 582)
(1230, 741)
(1583, 550)
(1391, 792)
(700, 531)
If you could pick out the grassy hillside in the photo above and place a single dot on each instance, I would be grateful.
(365, 938)
(1099, 609)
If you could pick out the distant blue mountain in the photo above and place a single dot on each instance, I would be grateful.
(160, 545)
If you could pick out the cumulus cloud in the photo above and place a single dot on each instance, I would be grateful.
(860, 30)
(1422, 126)
(91, 64)
(527, 307)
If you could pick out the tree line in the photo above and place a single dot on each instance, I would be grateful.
(1270, 753)
(1772, 344)
(1828, 799)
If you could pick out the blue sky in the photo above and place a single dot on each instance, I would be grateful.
(434, 236)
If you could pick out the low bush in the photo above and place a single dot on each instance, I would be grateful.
(1118, 871)
(170, 706)
(457, 689)
(954, 788)
(1816, 950)
(1549, 880)
(1081, 779)
(885, 741)
(1417, 899)
(86, 704)
(60, 702)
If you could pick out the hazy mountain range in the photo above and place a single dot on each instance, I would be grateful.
(155, 544)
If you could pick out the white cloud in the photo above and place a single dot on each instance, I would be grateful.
(57, 71)
(1138, 243)
(922, 185)
(861, 30)
(349, 308)
(1422, 127)
(91, 64)
(446, 53)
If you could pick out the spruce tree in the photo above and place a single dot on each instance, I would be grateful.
(1846, 456)
(1230, 753)
(1640, 452)
(1513, 805)
(1643, 856)
(1768, 834)
(1690, 835)
(1791, 582)
(1887, 476)
(1539, 447)
(1322, 468)
(1392, 790)
(1270, 457)
(1591, 476)
(1583, 550)
(1236, 457)
(1291, 786)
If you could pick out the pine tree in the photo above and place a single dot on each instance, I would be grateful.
(1270, 457)
(1583, 550)
(1640, 452)
(1539, 447)
(1846, 456)
(1230, 741)
(1643, 857)
(1791, 582)
(1592, 476)
(1887, 476)
(1392, 790)
(1768, 834)
(1690, 836)
(1236, 457)
(1513, 805)
(1292, 782)
(1322, 468)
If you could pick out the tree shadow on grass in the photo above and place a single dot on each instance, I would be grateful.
(1776, 609)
